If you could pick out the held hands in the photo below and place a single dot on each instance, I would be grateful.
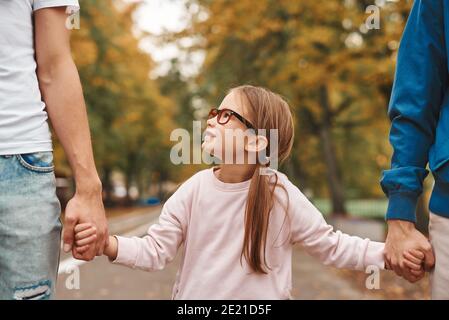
(86, 207)
(407, 251)
(85, 239)
(414, 261)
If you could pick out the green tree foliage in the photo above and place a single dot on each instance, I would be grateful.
(130, 119)
(334, 71)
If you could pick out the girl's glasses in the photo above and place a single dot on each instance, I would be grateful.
(224, 115)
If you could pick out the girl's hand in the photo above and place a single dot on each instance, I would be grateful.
(111, 249)
(85, 237)
(414, 260)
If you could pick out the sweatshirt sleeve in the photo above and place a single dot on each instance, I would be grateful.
(160, 245)
(319, 239)
(416, 99)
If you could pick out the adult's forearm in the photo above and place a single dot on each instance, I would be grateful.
(415, 105)
(62, 92)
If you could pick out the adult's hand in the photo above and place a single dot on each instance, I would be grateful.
(402, 238)
(86, 207)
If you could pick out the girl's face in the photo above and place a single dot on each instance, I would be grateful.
(227, 141)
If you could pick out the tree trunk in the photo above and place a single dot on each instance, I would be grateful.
(143, 181)
(294, 169)
(333, 175)
(128, 180)
(130, 172)
(107, 187)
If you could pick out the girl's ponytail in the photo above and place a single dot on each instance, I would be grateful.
(257, 218)
(271, 112)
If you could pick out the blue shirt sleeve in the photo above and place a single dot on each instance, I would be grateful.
(416, 99)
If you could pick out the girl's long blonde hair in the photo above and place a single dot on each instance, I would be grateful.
(270, 111)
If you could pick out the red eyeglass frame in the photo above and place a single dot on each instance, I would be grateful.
(215, 112)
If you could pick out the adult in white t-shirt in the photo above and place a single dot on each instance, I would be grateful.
(39, 82)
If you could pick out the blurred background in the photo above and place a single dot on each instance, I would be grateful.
(149, 67)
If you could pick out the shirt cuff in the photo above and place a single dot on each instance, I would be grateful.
(126, 251)
(375, 255)
(72, 5)
(402, 206)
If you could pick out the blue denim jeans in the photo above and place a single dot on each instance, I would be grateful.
(30, 226)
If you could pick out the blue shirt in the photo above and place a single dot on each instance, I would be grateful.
(419, 111)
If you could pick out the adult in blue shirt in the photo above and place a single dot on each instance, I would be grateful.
(419, 111)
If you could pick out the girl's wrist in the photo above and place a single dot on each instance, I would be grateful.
(111, 249)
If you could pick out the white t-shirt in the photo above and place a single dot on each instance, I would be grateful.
(23, 119)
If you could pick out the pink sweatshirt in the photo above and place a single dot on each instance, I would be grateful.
(207, 216)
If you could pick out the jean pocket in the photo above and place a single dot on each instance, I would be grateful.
(40, 162)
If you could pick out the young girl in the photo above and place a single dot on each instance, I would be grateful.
(237, 223)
